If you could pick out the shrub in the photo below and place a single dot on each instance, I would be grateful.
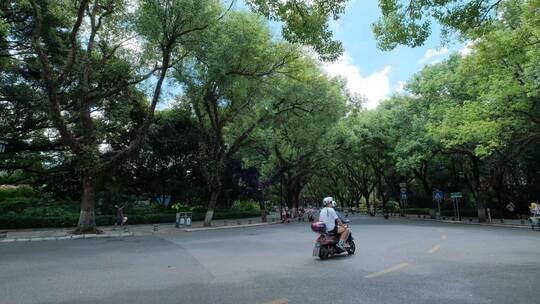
(19, 191)
(218, 215)
(151, 218)
(198, 209)
(159, 208)
(17, 204)
(24, 221)
(34, 206)
(392, 206)
(248, 205)
(421, 211)
(14, 221)
(463, 212)
(179, 207)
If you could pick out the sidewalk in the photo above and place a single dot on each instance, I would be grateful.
(50, 234)
(507, 223)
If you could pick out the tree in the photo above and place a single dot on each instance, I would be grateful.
(409, 22)
(84, 68)
(168, 164)
(298, 141)
(305, 22)
(227, 80)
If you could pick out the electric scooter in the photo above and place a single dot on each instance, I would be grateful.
(326, 243)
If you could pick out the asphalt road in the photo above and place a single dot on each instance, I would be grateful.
(397, 261)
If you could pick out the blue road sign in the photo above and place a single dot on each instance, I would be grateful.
(163, 199)
(438, 196)
(403, 196)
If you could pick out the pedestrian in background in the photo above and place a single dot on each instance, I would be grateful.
(120, 218)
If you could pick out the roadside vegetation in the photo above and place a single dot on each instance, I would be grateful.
(188, 102)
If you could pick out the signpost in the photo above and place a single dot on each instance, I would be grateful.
(456, 196)
(438, 196)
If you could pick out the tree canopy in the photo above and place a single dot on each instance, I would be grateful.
(252, 117)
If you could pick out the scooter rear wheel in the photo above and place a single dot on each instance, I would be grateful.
(352, 248)
(324, 253)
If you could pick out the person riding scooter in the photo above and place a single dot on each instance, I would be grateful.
(333, 224)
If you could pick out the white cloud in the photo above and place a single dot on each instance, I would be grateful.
(374, 87)
(434, 56)
(401, 86)
(467, 49)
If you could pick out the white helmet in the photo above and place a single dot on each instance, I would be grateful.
(328, 200)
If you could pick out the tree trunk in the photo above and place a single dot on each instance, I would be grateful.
(368, 204)
(428, 189)
(480, 196)
(264, 216)
(211, 206)
(87, 218)
(481, 210)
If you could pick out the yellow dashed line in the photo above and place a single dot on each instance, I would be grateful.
(434, 248)
(387, 270)
(278, 301)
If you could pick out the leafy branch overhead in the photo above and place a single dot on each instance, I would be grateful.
(305, 22)
(411, 22)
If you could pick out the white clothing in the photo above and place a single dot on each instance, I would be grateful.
(329, 217)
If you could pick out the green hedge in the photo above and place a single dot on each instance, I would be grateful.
(446, 213)
(21, 191)
(21, 221)
(421, 211)
(463, 212)
(17, 204)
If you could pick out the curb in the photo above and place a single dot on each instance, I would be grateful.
(229, 227)
(468, 223)
(67, 237)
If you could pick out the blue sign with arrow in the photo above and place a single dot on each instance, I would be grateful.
(438, 196)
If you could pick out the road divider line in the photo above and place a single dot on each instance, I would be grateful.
(387, 270)
(278, 301)
(434, 248)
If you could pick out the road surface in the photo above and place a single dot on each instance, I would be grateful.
(397, 261)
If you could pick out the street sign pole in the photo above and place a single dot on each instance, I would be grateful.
(454, 204)
(457, 208)
(438, 196)
(402, 197)
(456, 196)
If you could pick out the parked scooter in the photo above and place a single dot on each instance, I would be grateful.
(325, 245)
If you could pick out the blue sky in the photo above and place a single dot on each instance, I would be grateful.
(369, 71)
